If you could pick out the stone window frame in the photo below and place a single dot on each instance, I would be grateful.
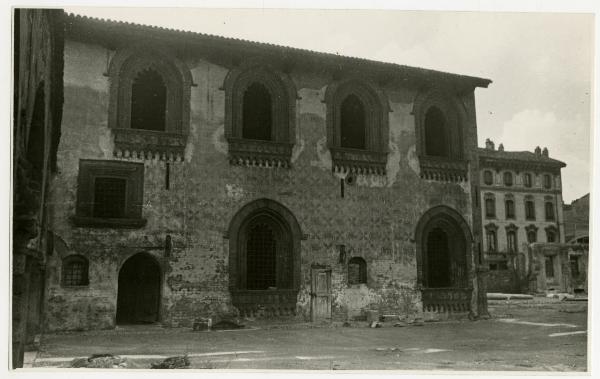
(124, 67)
(66, 262)
(529, 198)
(525, 181)
(454, 167)
(508, 178)
(531, 229)
(509, 197)
(547, 181)
(489, 197)
(362, 267)
(491, 177)
(132, 172)
(551, 229)
(278, 151)
(491, 230)
(512, 228)
(372, 159)
(549, 210)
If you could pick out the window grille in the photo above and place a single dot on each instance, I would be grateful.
(261, 258)
(109, 197)
(75, 271)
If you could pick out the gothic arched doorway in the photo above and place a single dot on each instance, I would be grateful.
(443, 252)
(264, 259)
(138, 298)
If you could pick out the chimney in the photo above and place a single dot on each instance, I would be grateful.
(545, 152)
(489, 144)
(538, 151)
(501, 147)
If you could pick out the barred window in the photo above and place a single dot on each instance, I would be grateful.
(357, 271)
(75, 271)
(109, 197)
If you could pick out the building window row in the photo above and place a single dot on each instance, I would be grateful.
(491, 236)
(508, 179)
(509, 208)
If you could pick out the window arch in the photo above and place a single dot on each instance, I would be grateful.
(436, 141)
(357, 271)
(357, 126)
(256, 113)
(488, 177)
(353, 123)
(149, 92)
(74, 270)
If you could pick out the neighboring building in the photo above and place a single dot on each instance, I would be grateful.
(37, 108)
(202, 176)
(577, 218)
(521, 203)
(558, 267)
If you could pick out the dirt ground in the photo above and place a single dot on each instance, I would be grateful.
(538, 335)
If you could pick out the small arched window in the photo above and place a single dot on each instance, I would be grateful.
(353, 124)
(488, 177)
(510, 208)
(436, 141)
(357, 271)
(75, 271)
(257, 113)
(549, 211)
(148, 101)
(547, 181)
(508, 179)
(527, 180)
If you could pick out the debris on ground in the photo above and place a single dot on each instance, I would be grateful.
(177, 362)
(99, 361)
(202, 323)
(376, 324)
(400, 324)
(227, 325)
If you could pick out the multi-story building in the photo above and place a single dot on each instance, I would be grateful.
(577, 220)
(202, 176)
(521, 203)
(37, 109)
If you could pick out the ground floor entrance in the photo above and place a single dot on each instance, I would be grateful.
(138, 297)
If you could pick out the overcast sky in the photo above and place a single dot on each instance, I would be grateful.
(540, 63)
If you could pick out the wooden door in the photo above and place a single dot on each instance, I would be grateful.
(321, 294)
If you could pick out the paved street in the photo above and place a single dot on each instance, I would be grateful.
(539, 335)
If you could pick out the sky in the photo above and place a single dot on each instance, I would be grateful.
(540, 63)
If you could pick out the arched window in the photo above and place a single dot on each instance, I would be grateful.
(74, 271)
(257, 113)
(549, 211)
(261, 257)
(357, 271)
(490, 206)
(527, 180)
(488, 177)
(436, 141)
(547, 181)
(508, 179)
(148, 101)
(509, 208)
(353, 124)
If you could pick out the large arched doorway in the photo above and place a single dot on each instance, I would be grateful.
(443, 252)
(264, 259)
(138, 298)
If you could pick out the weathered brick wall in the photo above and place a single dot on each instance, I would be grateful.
(375, 220)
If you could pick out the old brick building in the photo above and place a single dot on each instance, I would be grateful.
(206, 176)
(521, 197)
(577, 220)
(37, 107)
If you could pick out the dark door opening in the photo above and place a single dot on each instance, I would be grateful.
(138, 298)
(438, 259)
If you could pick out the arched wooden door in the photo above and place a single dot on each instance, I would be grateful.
(138, 298)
